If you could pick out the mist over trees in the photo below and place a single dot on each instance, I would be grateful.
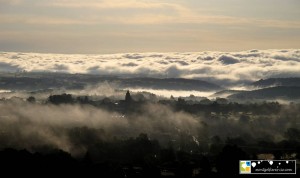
(142, 136)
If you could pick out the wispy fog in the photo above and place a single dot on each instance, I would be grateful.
(174, 93)
(31, 126)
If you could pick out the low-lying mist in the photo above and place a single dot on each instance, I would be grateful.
(73, 127)
(25, 125)
(174, 93)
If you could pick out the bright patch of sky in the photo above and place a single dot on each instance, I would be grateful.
(115, 26)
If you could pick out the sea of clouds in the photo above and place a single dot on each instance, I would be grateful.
(234, 66)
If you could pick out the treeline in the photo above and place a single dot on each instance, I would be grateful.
(223, 138)
(134, 157)
(141, 157)
(220, 105)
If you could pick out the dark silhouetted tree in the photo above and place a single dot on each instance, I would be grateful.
(292, 134)
(60, 99)
(31, 99)
(228, 160)
(128, 97)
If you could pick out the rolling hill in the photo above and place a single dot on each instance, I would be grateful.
(271, 82)
(279, 92)
(41, 81)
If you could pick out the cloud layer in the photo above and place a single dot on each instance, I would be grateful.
(233, 66)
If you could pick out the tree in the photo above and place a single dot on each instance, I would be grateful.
(59, 99)
(128, 97)
(292, 134)
(172, 97)
(228, 160)
(181, 101)
(31, 99)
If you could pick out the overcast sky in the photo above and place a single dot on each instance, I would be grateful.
(115, 26)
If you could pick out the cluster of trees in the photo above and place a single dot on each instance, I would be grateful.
(142, 156)
(221, 105)
(134, 157)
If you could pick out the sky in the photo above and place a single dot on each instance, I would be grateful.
(118, 26)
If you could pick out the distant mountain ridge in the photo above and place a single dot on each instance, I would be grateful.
(279, 92)
(38, 81)
(226, 93)
(170, 84)
(271, 82)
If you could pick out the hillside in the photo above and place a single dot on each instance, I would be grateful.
(271, 82)
(40, 81)
(280, 92)
(225, 93)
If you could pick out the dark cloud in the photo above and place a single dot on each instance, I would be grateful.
(254, 51)
(145, 71)
(286, 58)
(202, 70)
(6, 67)
(173, 72)
(183, 63)
(156, 55)
(162, 62)
(227, 60)
(130, 64)
(78, 62)
(93, 70)
(133, 56)
(60, 67)
(284, 51)
(15, 57)
(170, 58)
